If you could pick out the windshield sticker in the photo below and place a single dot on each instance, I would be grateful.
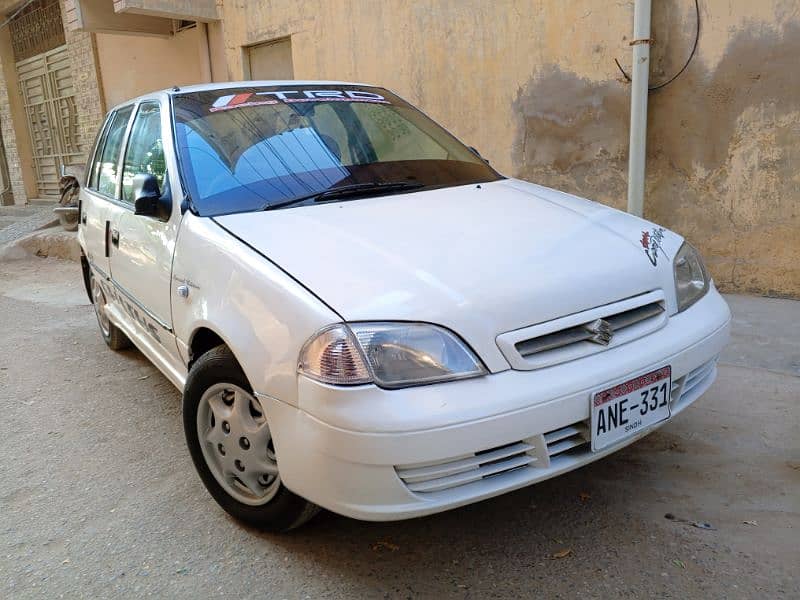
(290, 96)
(230, 101)
(651, 242)
(237, 101)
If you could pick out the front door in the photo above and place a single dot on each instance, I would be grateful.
(141, 256)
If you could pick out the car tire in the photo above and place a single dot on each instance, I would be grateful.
(112, 335)
(214, 450)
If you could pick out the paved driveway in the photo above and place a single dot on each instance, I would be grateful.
(98, 497)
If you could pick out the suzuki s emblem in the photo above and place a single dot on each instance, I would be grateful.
(601, 331)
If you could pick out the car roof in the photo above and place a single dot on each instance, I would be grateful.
(205, 87)
(225, 85)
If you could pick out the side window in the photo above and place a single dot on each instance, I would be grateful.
(107, 175)
(94, 166)
(145, 153)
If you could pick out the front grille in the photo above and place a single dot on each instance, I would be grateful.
(585, 333)
(536, 452)
(467, 469)
(696, 376)
(567, 439)
(682, 388)
(581, 333)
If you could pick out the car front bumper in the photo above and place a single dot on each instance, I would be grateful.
(361, 451)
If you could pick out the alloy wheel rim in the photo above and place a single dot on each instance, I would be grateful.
(237, 444)
(100, 307)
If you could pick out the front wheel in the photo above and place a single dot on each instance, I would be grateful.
(231, 445)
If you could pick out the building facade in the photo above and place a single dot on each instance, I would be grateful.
(63, 63)
(531, 83)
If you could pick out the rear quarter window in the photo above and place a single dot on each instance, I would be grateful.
(94, 157)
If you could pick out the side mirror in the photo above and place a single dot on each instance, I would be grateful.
(146, 195)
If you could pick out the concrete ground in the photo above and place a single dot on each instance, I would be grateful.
(17, 221)
(98, 496)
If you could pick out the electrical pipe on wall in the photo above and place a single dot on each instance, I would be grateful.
(640, 71)
(205, 53)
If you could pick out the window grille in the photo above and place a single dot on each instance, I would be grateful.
(37, 29)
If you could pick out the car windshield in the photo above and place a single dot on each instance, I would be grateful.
(252, 148)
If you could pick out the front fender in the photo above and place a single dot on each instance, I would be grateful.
(261, 312)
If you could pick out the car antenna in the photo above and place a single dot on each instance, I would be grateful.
(175, 88)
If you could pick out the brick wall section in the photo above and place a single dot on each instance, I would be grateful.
(70, 14)
(86, 80)
(10, 145)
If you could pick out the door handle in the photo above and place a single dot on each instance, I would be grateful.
(115, 237)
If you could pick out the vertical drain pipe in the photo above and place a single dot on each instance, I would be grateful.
(640, 71)
(205, 53)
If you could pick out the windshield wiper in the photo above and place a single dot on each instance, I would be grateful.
(351, 190)
(358, 189)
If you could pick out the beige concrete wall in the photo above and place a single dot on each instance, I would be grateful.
(216, 50)
(533, 85)
(132, 65)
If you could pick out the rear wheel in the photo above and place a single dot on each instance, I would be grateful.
(231, 445)
(112, 334)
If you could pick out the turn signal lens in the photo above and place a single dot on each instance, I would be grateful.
(333, 357)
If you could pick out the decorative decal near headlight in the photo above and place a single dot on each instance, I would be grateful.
(651, 242)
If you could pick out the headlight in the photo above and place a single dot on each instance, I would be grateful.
(691, 278)
(392, 355)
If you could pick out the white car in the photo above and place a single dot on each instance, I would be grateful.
(363, 315)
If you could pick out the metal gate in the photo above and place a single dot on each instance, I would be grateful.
(45, 81)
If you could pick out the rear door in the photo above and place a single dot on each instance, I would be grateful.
(141, 259)
(98, 196)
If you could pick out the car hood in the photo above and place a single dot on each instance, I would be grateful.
(480, 259)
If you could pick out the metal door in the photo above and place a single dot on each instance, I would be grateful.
(49, 98)
(272, 60)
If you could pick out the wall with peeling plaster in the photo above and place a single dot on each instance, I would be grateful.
(533, 85)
